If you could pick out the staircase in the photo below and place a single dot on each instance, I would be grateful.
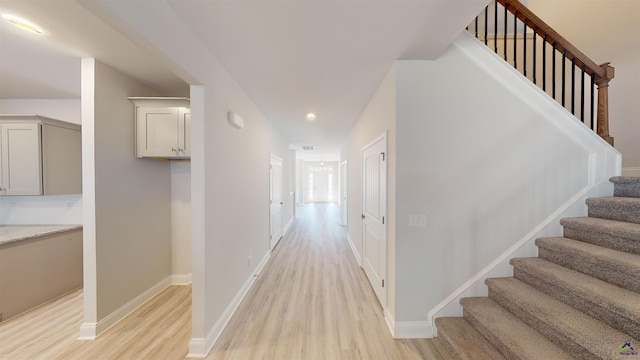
(579, 299)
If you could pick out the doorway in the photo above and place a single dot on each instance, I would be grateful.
(275, 200)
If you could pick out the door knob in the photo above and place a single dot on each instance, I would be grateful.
(362, 216)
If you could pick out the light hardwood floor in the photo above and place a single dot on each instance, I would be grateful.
(311, 301)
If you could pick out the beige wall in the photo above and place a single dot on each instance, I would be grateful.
(607, 30)
(126, 200)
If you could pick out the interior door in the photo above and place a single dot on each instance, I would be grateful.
(374, 230)
(275, 200)
(320, 186)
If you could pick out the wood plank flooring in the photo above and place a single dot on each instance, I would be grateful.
(312, 301)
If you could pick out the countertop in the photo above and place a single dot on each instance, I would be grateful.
(13, 233)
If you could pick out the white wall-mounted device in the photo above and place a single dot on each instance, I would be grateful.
(235, 120)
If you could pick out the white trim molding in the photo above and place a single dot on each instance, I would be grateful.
(631, 171)
(89, 331)
(408, 329)
(353, 249)
(199, 348)
(181, 279)
(288, 226)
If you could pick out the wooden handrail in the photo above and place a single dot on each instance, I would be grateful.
(602, 73)
(533, 21)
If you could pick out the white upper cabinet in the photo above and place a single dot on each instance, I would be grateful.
(163, 128)
(39, 156)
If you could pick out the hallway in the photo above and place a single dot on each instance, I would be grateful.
(311, 301)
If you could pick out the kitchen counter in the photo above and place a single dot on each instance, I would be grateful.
(13, 233)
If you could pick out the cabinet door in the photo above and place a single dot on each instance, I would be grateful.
(184, 132)
(20, 154)
(157, 130)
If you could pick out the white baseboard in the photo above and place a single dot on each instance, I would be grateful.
(408, 329)
(353, 249)
(286, 227)
(199, 348)
(631, 171)
(181, 279)
(89, 331)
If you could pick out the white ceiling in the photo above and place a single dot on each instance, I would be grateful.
(290, 57)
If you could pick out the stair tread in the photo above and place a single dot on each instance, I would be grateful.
(614, 227)
(517, 336)
(622, 302)
(615, 259)
(579, 331)
(625, 179)
(464, 341)
(621, 200)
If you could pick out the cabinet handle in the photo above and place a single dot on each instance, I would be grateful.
(175, 150)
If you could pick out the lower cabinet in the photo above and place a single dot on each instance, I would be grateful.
(39, 269)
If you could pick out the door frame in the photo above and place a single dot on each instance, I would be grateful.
(273, 236)
(343, 193)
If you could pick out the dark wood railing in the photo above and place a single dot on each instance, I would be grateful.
(538, 35)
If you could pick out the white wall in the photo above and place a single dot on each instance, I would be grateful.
(127, 234)
(378, 117)
(61, 109)
(229, 171)
(59, 209)
(181, 221)
(490, 161)
(607, 31)
(487, 159)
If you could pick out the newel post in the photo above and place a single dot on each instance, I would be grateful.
(603, 102)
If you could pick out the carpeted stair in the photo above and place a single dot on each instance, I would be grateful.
(579, 299)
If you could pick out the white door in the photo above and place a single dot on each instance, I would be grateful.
(374, 229)
(320, 186)
(275, 201)
(343, 194)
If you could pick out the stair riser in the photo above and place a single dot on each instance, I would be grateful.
(596, 237)
(626, 214)
(463, 342)
(591, 267)
(588, 306)
(493, 340)
(627, 190)
(556, 337)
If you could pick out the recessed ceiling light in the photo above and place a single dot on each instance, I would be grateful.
(311, 116)
(23, 23)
